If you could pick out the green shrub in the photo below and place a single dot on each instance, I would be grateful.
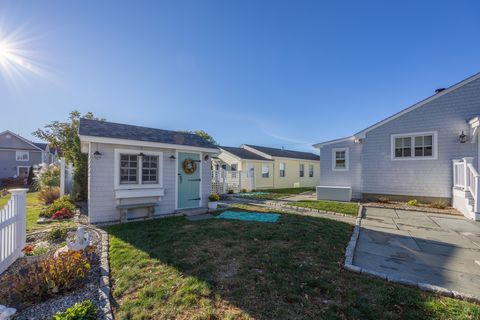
(48, 176)
(214, 197)
(49, 194)
(48, 277)
(56, 234)
(63, 202)
(413, 202)
(244, 190)
(230, 191)
(440, 204)
(85, 310)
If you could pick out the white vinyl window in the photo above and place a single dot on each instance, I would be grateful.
(22, 155)
(301, 171)
(310, 170)
(265, 171)
(282, 169)
(137, 169)
(414, 146)
(340, 159)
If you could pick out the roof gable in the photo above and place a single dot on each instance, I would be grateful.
(10, 140)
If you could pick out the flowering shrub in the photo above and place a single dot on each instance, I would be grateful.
(214, 197)
(49, 194)
(28, 250)
(48, 176)
(64, 202)
(46, 277)
(63, 213)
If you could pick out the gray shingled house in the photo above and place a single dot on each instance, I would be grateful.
(428, 151)
(18, 154)
(137, 172)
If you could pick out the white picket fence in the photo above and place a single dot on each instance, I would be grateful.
(223, 180)
(13, 228)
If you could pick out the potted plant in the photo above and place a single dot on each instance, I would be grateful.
(213, 201)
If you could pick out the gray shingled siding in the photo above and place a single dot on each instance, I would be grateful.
(448, 115)
(352, 177)
(102, 203)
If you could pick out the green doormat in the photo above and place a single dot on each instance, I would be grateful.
(249, 216)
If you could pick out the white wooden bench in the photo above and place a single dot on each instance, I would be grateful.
(150, 206)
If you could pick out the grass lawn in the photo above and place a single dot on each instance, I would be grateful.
(174, 268)
(34, 207)
(341, 207)
(272, 194)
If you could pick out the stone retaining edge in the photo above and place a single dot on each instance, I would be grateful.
(349, 252)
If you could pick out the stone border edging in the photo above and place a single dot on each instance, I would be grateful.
(104, 286)
(283, 204)
(348, 265)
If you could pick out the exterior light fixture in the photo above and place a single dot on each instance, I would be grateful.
(172, 157)
(97, 155)
(462, 137)
(206, 158)
(141, 154)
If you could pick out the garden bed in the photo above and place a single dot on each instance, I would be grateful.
(419, 207)
(87, 290)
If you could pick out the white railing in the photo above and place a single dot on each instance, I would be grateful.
(223, 180)
(12, 228)
(466, 177)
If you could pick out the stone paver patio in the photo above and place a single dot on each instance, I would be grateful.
(434, 248)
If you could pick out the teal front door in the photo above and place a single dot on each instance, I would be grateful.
(189, 180)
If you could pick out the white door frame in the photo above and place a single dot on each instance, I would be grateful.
(18, 170)
(176, 177)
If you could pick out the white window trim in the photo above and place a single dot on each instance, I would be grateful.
(311, 166)
(261, 172)
(347, 159)
(284, 170)
(300, 170)
(139, 184)
(22, 151)
(434, 156)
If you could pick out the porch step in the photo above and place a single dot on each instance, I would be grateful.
(192, 212)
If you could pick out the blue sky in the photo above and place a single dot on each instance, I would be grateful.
(273, 73)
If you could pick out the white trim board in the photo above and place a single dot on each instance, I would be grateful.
(138, 143)
(319, 145)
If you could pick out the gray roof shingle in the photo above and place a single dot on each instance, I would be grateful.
(106, 129)
(244, 153)
(274, 152)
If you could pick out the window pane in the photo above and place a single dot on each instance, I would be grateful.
(428, 151)
(407, 152)
(398, 152)
(407, 142)
(340, 163)
(398, 142)
(149, 171)
(418, 141)
(128, 169)
(427, 140)
(418, 152)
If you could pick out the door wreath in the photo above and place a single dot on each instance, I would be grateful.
(189, 166)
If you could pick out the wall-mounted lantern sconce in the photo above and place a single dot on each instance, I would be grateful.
(206, 158)
(462, 137)
(172, 157)
(141, 154)
(97, 155)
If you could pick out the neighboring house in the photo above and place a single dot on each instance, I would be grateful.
(409, 155)
(131, 166)
(273, 168)
(18, 154)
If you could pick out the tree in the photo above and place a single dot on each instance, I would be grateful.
(204, 135)
(64, 136)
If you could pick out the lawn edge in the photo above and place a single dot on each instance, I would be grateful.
(424, 286)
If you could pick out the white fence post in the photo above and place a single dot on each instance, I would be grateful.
(13, 224)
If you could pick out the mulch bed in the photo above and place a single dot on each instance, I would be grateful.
(420, 207)
(46, 309)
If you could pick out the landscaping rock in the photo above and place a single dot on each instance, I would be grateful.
(6, 313)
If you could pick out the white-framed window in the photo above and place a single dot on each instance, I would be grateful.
(265, 171)
(282, 169)
(414, 146)
(310, 170)
(22, 155)
(138, 169)
(301, 170)
(340, 159)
